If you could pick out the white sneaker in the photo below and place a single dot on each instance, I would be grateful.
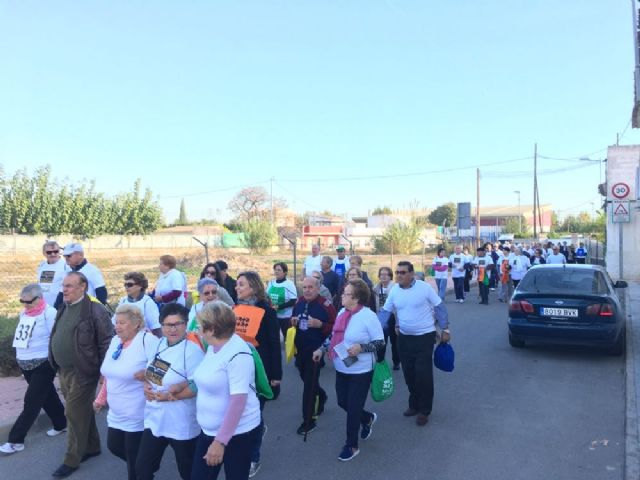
(255, 466)
(52, 432)
(10, 448)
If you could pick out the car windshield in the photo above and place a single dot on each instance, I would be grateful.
(564, 281)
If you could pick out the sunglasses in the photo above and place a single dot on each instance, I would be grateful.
(52, 252)
(28, 302)
(401, 272)
(210, 272)
(129, 285)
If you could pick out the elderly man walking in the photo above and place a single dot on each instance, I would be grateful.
(79, 340)
(415, 304)
(314, 316)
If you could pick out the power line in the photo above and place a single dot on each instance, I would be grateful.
(213, 191)
(548, 171)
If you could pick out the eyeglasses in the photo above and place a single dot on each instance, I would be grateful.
(210, 272)
(401, 272)
(52, 252)
(172, 325)
(129, 285)
(117, 352)
(28, 302)
(212, 292)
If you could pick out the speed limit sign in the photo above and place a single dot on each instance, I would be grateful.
(620, 190)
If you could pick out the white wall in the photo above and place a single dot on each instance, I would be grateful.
(622, 162)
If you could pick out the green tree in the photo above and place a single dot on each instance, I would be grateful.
(515, 226)
(381, 211)
(182, 216)
(259, 235)
(444, 214)
(399, 238)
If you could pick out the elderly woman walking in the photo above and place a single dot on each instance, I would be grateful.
(31, 342)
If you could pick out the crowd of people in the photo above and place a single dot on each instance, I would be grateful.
(191, 378)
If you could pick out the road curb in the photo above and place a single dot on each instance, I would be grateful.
(632, 438)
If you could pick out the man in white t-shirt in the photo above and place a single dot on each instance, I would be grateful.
(74, 255)
(51, 271)
(417, 307)
(457, 262)
(312, 262)
(556, 258)
(341, 263)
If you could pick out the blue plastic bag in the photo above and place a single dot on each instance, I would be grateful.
(444, 357)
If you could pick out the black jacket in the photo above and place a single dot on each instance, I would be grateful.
(268, 338)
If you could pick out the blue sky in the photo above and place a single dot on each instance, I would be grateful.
(211, 96)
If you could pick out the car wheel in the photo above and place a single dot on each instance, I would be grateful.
(618, 347)
(515, 342)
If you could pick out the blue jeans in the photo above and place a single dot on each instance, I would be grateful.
(442, 287)
(236, 459)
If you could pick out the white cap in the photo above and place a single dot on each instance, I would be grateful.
(70, 248)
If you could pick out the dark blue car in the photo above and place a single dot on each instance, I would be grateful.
(568, 304)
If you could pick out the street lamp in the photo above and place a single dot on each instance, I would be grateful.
(519, 215)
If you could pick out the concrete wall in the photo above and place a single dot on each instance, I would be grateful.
(622, 163)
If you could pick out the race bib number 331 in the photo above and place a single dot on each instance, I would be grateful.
(24, 330)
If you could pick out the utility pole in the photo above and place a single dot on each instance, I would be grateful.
(519, 214)
(477, 207)
(535, 190)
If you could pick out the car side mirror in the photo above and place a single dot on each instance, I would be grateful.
(620, 284)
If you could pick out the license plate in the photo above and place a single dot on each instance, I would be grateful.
(559, 312)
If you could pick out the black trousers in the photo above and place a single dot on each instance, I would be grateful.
(391, 337)
(313, 395)
(352, 391)
(236, 459)
(484, 292)
(515, 283)
(40, 394)
(125, 445)
(416, 356)
(467, 280)
(458, 287)
(152, 449)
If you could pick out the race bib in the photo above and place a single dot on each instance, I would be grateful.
(157, 370)
(24, 330)
(456, 260)
(248, 320)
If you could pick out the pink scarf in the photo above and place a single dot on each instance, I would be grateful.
(342, 322)
(34, 311)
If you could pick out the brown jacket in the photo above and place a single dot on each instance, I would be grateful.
(92, 337)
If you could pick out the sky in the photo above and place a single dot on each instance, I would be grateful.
(334, 105)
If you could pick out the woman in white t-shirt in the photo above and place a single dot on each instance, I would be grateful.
(228, 408)
(381, 292)
(51, 271)
(170, 287)
(31, 342)
(440, 266)
(167, 421)
(357, 339)
(123, 388)
(136, 284)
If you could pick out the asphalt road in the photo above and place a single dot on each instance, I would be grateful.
(504, 413)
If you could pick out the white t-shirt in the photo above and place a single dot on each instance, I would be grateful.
(281, 293)
(312, 264)
(413, 307)
(172, 280)
(519, 266)
(485, 262)
(341, 267)
(125, 394)
(177, 419)
(458, 261)
(38, 346)
(148, 308)
(50, 278)
(220, 375)
(364, 327)
(438, 261)
(556, 258)
(93, 274)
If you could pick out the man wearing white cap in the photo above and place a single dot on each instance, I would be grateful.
(74, 255)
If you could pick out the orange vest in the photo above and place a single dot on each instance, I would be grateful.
(248, 320)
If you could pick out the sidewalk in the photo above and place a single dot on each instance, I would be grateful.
(632, 383)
